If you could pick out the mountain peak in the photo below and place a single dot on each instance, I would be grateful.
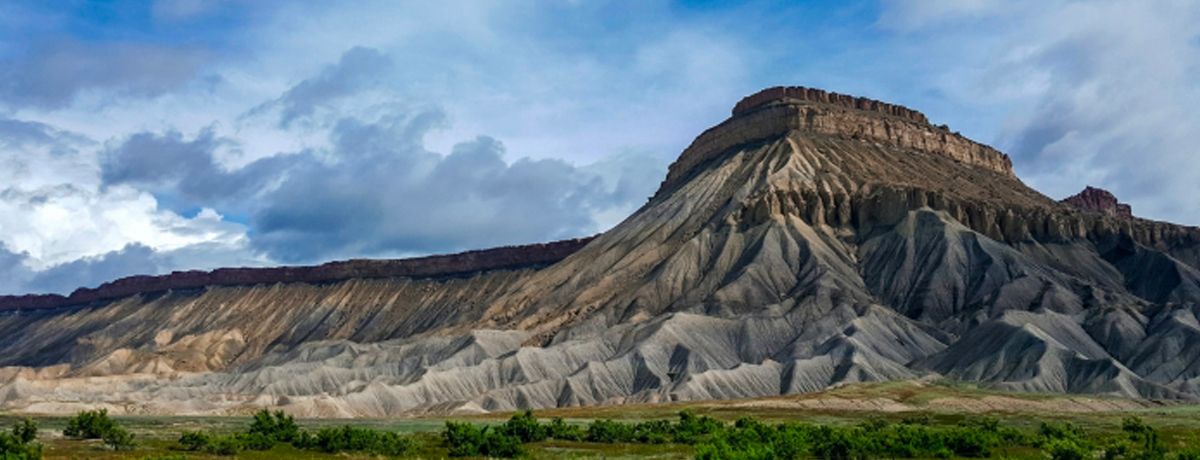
(1099, 200)
(795, 94)
(773, 113)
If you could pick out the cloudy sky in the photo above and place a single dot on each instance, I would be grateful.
(151, 136)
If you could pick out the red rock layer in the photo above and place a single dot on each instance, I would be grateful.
(1099, 200)
(800, 93)
(509, 257)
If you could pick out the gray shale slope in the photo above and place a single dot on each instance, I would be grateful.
(810, 240)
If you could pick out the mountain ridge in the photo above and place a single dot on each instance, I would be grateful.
(811, 240)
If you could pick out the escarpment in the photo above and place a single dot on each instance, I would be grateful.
(776, 111)
(510, 257)
(810, 240)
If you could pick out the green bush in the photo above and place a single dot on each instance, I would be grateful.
(608, 431)
(468, 440)
(276, 426)
(25, 431)
(89, 425)
(838, 444)
(223, 445)
(352, 439)
(559, 429)
(20, 444)
(524, 426)
(195, 440)
(691, 429)
(1066, 449)
(118, 438)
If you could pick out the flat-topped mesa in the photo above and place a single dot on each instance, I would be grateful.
(794, 94)
(502, 258)
(774, 112)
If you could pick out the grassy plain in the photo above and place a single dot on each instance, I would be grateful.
(941, 403)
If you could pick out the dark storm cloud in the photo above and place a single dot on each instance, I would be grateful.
(52, 74)
(358, 68)
(376, 190)
(184, 171)
(387, 194)
(379, 191)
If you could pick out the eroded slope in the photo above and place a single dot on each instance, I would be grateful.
(811, 240)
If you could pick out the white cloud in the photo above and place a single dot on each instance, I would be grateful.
(1093, 93)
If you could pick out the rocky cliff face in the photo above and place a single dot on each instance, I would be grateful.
(812, 239)
(1099, 200)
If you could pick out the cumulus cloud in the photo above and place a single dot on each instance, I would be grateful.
(184, 173)
(389, 195)
(1096, 93)
(377, 190)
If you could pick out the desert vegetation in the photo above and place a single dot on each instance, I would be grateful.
(96, 424)
(269, 429)
(690, 432)
(747, 438)
(21, 442)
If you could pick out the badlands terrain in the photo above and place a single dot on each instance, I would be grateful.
(809, 241)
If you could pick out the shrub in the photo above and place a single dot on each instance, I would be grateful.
(691, 428)
(19, 445)
(276, 426)
(608, 431)
(25, 431)
(559, 429)
(524, 426)
(89, 425)
(1066, 449)
(1063, 431)
(838, 444)
(970, 442)
(195, 440)
(752, 440)
(223, 445)
(468, 440)
(254, 441)
(463, 439)
(118, 438)
(352, 439)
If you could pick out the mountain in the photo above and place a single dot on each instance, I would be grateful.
(812, 239)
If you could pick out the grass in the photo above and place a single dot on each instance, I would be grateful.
(157, 436)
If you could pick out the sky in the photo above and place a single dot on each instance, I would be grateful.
(142, 137)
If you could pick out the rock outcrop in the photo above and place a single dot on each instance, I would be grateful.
(810, 240)
(1099, 200)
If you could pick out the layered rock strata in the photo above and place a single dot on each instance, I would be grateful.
(810, 240)
(1099, 200)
